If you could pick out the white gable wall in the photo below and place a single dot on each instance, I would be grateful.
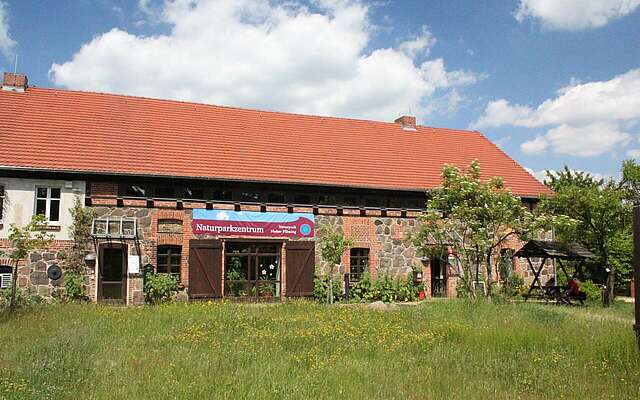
(20, 203)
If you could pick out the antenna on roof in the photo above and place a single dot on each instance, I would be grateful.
(15, 66)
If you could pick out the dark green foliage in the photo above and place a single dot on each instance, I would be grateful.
(74, 287)
(22, 298)
(80, 232)
(474, 217)
(332, 245)
(320, 286)
(160, 288)
(361, 290)
(603, 222)
(384, 289)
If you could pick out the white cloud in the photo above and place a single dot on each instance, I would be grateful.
(541, 175)
(588, 140)
(502, 141)
(501, 112)
(256, 53)
(633, 153)
(574, 14)
(535, 146)
(7, 44)
(421, 44)
(585, 119)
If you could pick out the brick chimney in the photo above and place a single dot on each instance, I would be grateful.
(407, 122)
(15, 82)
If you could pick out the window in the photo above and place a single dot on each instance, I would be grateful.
(277, 197)
(359, 261)
(169, 258)
(250, 196)
(252, 270)
(1, 201)
(505, 268)
(301, 199)
(350, 201)
(222, 195)
(5, 276)
(165, 192)
(191, 192)
(372, 202)
(134, 191)
(48, 203)
(327, 199)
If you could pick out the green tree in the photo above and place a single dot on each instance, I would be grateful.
(23, 241)
(474, 218)
(80, 233)
(602, 214)
(332, 245)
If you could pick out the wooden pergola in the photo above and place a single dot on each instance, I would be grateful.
(551, 250)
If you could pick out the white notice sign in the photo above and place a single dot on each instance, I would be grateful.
(134, 264)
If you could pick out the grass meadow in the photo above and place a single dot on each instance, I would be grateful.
(300, 350)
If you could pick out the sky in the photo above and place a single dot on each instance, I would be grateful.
(552, 82)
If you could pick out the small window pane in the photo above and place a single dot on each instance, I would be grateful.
(327, 199)
(165, 192)
(41, 207)
(276, 198)
(193, 193)
(54, 211)
(55, 193)
(135, 191)
(250, 196)
(223, 195)
(302, 199)
(42, 193)
(350, 201)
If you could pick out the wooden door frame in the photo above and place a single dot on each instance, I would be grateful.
(124, 249)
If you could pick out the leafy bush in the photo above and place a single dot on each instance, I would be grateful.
(160, 288)
(74, 287)
(593, 291)
(23, 298)
(512, 286)
(320, 285)
(406, 290)
(384, 289)
(361, 290)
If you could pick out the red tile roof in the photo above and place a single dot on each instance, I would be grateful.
(64, 130)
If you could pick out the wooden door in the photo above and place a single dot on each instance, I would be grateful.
(300, 263)
(205, 269)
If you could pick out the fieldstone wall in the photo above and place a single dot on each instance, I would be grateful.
(32, 273)
(390, 251)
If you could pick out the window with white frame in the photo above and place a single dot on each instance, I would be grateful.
(48, 203)
(5, 276)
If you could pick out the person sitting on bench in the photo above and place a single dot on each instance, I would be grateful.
(574, 292)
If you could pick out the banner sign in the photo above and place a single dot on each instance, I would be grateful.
(251, 223)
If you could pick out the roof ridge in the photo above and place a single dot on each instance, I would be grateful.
(256, 110)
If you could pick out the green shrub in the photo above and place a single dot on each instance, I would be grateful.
(320, 285)
(593, 291)
(361, 290)
(384, 289)
(160, 288)
(406, 290)
(74, 287)
(23, 298)
(512, 285)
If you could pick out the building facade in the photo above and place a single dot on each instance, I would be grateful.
(228, 200)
